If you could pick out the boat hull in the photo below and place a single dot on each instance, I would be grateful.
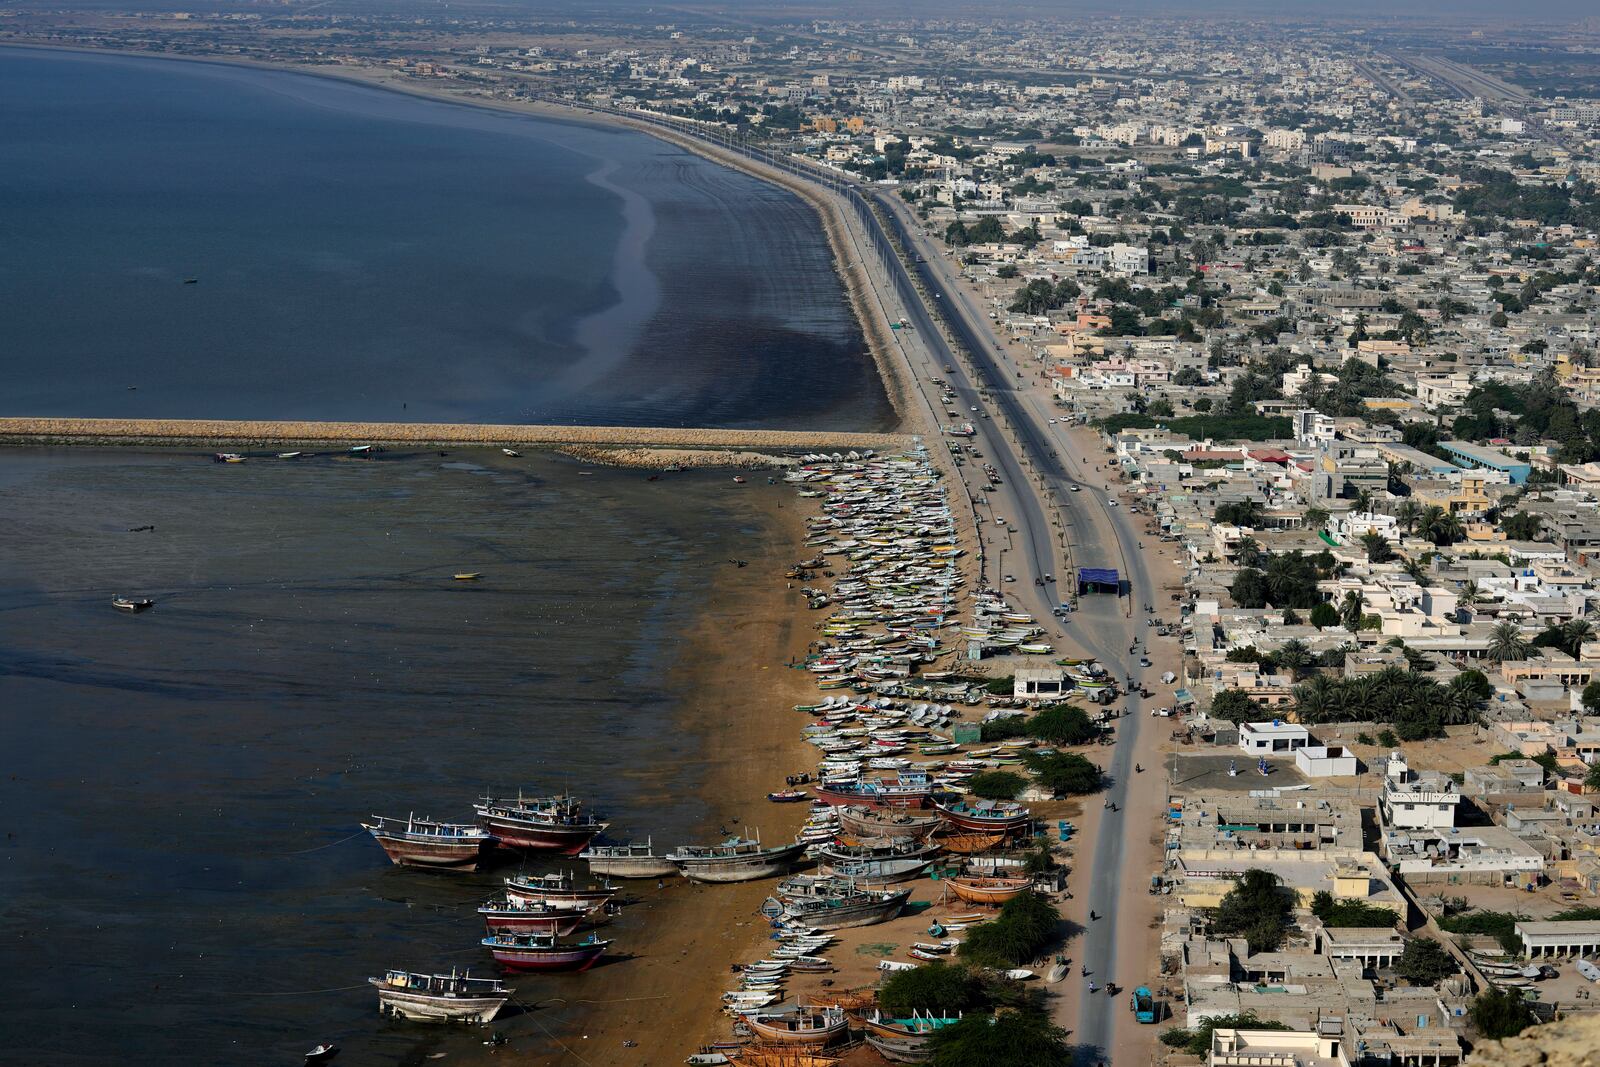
(514, 922)
(524, 836)
(899, 1049)
(990, 891)
(630, 866)
(444, 856)
(985, 824)
(778, 1034)
(849, 916)
(429, 1009)
(875, 824)
(912, 800)
(745, 868)
(569, 958)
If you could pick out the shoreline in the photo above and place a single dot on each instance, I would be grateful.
(895, 379)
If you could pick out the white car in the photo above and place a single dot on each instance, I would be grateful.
(1052, 422)
(998, 521)
(1111, 503)
(1009, 578)
(1075, 488)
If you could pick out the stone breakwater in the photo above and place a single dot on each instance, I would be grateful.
(658, 458)
(221, 433)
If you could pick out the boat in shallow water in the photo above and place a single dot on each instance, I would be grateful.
(735, 860)
(512, 916)
(543, 952)
(440, 998)
(632, 860)
(559, 887)
(428, 843)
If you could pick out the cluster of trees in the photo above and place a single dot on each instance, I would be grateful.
(1040, 296)
(987, 230)
(1500, 1013)
(1540, 410)
(1495, 194)
(1349, 913)
(1002, 1022)
(1060, 725)
(1414, 706)
(1197, 1042)
(1284, 580)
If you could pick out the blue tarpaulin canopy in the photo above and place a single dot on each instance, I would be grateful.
(1099, 580)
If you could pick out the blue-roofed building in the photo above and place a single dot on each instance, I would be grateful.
(1471, 455)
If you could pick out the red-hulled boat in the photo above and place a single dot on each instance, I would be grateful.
(531, 916)
(543, 952)
(986, 816)
(539, 824)
(426, 843)
(909, 789)
(559, 888)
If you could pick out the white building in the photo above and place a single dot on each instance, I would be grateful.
(1414, 800)
(1272, 738)
(1325, 761)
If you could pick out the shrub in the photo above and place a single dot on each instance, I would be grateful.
(1500, 1013)
(1424, 961)
(1257, 908)
(995, 1040)
(1063, 773)
(1026, 924)
(1063, 725)
(996, 785)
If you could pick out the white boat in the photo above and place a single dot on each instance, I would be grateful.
(440, 998)
(513, 453)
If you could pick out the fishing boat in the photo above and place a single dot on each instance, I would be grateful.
(632, 860)
(325, 1052)
(543, 952)
(869, 824)
(789, 796)
(544, 824)
(440, 998)
(848, 909)
(510, 916)
(878, 861)
(910, 789)
(290, 455)
(986, 816)
(803, 1026)
(227, 457)
(513, 453)
(991, 891)
(559, 887)
(467, 576)
(132, 605)
(903, 1040)
(427, 843)
(735, 860)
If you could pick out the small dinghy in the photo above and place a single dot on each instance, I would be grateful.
(322, 1053)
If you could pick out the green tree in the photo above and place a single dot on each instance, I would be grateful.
(996, 785)
(1235, 705)
(1591, 696)
(1500, 1013)
(1257, 908)
(1239, 513)
(1324, 615)
(1350, 610)
(1000, 1040)
(1294, 656)
(942, 988)
(1522, 526)
(1063, 725)
(1424, 961)
(1063, 773)
(1025, 925)
(1377, 546)
(1507, 643)
(1316, 518)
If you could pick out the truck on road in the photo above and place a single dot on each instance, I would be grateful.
(1143, 1005)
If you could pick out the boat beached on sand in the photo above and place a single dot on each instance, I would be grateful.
(428, 843)
(803, 1026)
(632, 860)
(735, 860)
(440, 998)
(851, 908)
(511, 916)
(993, 891)
(559, 887)
(871, 824)
(986, 816)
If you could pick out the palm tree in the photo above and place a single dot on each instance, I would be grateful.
(1350, 610)
(1507, 643)
(1317, 700)
(1439, 526)
(1407, 513)
(1294, 656)
(1417, 569)
(1364, 501)
(1250, 553)
(1574, 634)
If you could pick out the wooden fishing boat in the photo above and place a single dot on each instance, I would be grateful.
(852, 908)
(427, 843)
(559, 887)
(878, 861)
(511, 916)
(440, 998)
(869, 824)
(803, 1026)
(543, 952)
(910, 789)
(468, 576)
(632, 860)
(991, 891)
(969, 844)
(986, 816)
(544, 824)
(735, 860)
(903, 1040)
(132, 605)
